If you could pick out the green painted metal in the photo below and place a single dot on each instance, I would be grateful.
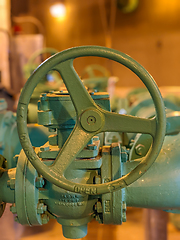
(159, 187)
(50, 82)
(78, 175)
(9, 141)
(88, 111)
(140, 106)
(143, 142)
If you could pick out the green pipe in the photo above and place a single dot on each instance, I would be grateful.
(159, 188)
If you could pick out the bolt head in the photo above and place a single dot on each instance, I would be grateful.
(39, 182)
(91, 147)
(99, 207)
(41, 208)
(13, 208)
(43, 149)
(124, 212)
(99, 219)
(139, 149)
(44, 218)
(11, 183)
(95, 138)
(107, 180)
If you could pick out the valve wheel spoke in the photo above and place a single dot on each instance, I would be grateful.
(80, 97)
(125, 123)
(73, 146)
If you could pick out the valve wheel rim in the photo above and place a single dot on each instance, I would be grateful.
(62, 62)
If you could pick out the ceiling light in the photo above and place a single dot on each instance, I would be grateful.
(58, 10)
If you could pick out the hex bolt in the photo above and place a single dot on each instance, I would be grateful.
(52, 129)
(98, 179)
(39, 182)
(43, 97)
(139, 149)
(11, 183)
(91, 147)
(44, 218)
(41, 208)
(99, 207)
(43, 149)
(99, 219)
(13, 208)
(107, 180)
(95, 138)
(131, 142)
(124, 212)
(124, 156)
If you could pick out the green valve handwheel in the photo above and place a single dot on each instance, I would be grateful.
(91, 119)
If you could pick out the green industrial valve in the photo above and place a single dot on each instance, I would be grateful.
(91, 120)
(75, 177)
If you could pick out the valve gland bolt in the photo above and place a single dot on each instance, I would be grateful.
(43, 149)
(41, 208)
(44, 218)
(99, 207)
(139, 149)
(13, 208)
(39, 182)
(97, 179)
(124, 212)
(91, 147)
(95, 138)
(11, 183)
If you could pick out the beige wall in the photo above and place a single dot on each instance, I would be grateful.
(4, 42)
(151, 35)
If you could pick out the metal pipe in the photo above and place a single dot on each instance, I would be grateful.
(159, 188)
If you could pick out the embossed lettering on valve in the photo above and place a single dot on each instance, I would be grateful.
(87, 190)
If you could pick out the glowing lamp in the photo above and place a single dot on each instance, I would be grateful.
(58, 10)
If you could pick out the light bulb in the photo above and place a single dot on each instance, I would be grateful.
(58, 10)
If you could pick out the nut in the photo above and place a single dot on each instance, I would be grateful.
(43, 149)
(41, 208)
(139, 149)
(44, 218)
(13, 208)
(39, 182)
(99, 207)
(11, 183)
(124, 212)
(91, 147)
(95, 138)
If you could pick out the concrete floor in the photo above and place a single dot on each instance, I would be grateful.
(133, 229)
